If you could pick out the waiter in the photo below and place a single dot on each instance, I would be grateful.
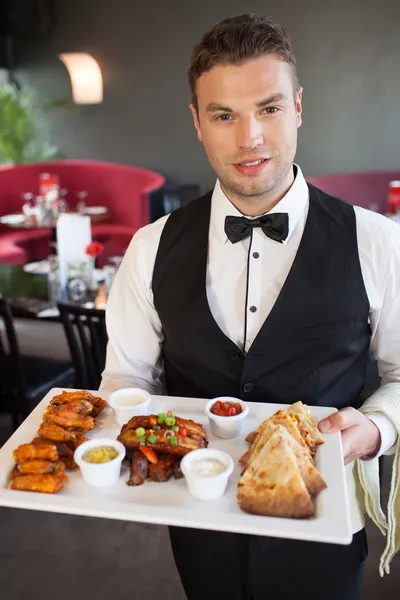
(266, 289)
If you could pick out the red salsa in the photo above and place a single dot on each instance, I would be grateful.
(226, 409)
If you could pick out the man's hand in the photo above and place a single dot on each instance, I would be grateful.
(360, 436)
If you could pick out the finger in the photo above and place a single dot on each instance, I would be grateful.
(345, 418)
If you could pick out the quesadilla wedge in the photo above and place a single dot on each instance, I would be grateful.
(252, 436)
(308, 429)
(272, 484)
(310, 474)
(306, 424)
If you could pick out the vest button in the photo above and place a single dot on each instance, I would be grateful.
(253, 309)
(248, 387)
(234, 355)
(256, 255)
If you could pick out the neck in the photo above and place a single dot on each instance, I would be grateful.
(259, 205)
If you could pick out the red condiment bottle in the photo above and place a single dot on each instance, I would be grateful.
(394, 197)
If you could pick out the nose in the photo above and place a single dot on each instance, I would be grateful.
(250, 133)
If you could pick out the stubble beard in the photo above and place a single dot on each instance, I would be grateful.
(257, 190)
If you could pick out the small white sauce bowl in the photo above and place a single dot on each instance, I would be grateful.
(100, 474)
(226, 427)
(206, 487)
(127, 403)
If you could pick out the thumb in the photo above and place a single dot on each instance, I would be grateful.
(337, 422)
(325, 425)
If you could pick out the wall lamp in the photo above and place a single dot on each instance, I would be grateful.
(86, 77)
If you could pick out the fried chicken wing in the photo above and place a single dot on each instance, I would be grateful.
(53, 432)
(81, 407)
(99, 405)
(48, 484)
(44, 451)
(39, 467)
(67, 397)
(66, 417)
(64, 449)
(70, 397)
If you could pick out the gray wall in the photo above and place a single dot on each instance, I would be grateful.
(348, 52)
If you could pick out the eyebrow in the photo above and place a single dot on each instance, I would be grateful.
(272, 99)
(213, 107)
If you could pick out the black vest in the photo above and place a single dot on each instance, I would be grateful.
(314, 344)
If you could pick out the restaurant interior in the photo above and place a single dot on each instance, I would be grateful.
(96, 141)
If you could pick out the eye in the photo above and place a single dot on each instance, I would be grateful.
(270, 110)
(224, 117)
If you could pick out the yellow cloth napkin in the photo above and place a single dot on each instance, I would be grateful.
(386, 401)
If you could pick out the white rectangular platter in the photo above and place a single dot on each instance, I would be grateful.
(170, 503)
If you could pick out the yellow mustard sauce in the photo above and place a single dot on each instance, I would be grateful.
(102, 454)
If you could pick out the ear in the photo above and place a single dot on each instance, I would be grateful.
(196, 122)
(299, 107)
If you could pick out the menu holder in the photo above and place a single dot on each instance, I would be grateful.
(73, 236)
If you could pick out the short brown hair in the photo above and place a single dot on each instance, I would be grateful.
(237, 39)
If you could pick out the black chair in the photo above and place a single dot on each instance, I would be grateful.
(170, 197)
(25, 380)
(86, 333)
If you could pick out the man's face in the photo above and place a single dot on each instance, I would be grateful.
(248, 113)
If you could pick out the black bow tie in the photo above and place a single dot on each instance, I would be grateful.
(275, 226)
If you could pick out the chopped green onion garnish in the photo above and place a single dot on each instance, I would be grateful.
(161, 418)
(142, 439)
(140, 431)
(170, 421)
(173, 440)
(175, 428)
(156, 427)
(152, 439)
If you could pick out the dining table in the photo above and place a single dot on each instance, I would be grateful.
(18, 220)
(28, 294)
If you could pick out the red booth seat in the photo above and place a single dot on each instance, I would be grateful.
(369, 189)
(10, 253)
(17, 248)
(123, 189)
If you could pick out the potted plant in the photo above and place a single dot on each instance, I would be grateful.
(20, 139)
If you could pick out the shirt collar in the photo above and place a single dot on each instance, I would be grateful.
(294, 203)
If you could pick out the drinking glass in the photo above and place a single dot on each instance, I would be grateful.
(77, 285)
(62, 201)
(53, 280)
(81, 206)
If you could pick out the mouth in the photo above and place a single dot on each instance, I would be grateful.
(251, 167)
(252, 163)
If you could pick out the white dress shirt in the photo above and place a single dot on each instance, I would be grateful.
(134, 328)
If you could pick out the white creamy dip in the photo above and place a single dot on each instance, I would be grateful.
(207, 467)
(125, 400)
